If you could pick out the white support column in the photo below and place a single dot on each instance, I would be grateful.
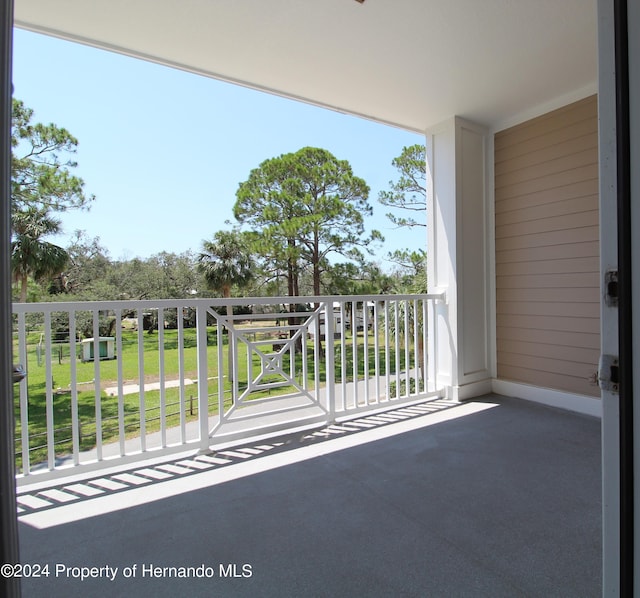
(458, 260)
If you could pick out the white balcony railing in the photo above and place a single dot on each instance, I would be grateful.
(109, 382)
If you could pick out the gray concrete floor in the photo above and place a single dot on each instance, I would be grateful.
(485, 500)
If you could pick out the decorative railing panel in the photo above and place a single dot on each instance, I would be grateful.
(116, 381)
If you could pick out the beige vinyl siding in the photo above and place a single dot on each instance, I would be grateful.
(547, 250)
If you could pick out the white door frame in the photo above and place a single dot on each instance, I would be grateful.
(619, 147)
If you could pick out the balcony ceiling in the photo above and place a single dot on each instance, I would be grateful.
(411, 63)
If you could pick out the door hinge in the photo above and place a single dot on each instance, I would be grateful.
(609, 374)
(611, 287)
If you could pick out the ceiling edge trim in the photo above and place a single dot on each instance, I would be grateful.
(203, 73)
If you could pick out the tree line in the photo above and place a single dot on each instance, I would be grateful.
(299, 230)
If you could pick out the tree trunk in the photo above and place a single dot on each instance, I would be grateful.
(290, 289)
(316, 265)
(23, 288)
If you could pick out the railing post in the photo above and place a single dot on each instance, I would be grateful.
(24, 396)
(203, 382)
(330, 348)
(432, 346)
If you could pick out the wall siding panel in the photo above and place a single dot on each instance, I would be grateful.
(561, 338)
(547, 250)
(546, 155)
(549, 253)
(546, 184)
(542, 198)
(525, 295)
(563, 119)
(561, 237)
(560, 208)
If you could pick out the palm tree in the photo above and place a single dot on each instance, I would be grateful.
(30, 255)
(225, 263)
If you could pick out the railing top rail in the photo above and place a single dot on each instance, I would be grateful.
(151, 304)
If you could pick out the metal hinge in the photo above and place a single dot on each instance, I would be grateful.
(611, 287)
(609, 374)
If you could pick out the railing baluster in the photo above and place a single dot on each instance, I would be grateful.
(316, 352)
(248, 373)
(51, 456)
(330, 347)
(142, 418)
(425, 348)
(122, 432)
(407, 356)
(387, 349)
(231, 342)
(292, 357)
(343, 353)
(24, 399)
(96, 381)
(249, 370)
(397, 345)
(365, 351)
(220, 345)
(75, 427)
(416, 355)
(203, 382)
(163, 391)
(305, 363)
(181, 374)
(376, 341)
(354, 344)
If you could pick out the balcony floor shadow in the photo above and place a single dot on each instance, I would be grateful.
(504, 500)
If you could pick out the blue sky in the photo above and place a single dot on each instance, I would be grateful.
(163, 150)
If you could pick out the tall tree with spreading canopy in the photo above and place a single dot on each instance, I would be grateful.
(41, 184)
(302, 207)
(409, 192)
(40, 165)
